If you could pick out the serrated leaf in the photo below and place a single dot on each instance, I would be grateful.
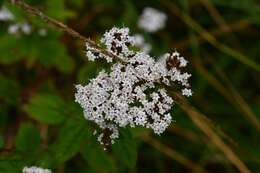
(70, 139)
(11, 165)
(48, 51)
(9, 53)
(96, 157)
(58, 57)
(28, 138)
(46, 108)
(125, 149)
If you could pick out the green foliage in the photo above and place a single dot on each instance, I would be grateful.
(28, 138)
(72, 136)
(125, 149)
(11, 164)
(7, 48)
(46, 108)
(55, 55)
(97, 159)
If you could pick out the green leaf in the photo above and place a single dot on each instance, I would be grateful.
(46, 108)
(46, 159)
(48, 51)
(1, 141)
(125, 149)
(70, 139)
(58, 58)
(9, 53)
(11, 164)
(96, 157)
(28, 138)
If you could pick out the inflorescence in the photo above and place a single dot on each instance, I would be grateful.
(35, 169)
(133, 92)
(152, 20)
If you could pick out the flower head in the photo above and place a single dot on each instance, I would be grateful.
(35, 169)
(117, 40)
(152, 20)
(132, 93)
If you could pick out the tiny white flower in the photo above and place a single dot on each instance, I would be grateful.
(13, 29)
(117, 40)
(187, 92)
(26, 28)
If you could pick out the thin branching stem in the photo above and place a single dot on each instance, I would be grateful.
(49, 20)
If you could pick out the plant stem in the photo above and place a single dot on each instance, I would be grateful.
(36, 12)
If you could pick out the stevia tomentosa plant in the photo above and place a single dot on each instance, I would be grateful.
(132, 90)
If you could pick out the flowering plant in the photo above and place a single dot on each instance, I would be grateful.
(133, 92)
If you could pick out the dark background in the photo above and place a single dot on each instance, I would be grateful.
(41, 125)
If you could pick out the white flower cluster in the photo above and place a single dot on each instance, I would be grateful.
(117, 41)
(5, 14)
(35, 169)
(16, 28)
(132, 93)
(152, 20)
(23, 27)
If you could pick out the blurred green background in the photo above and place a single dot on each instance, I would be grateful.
(41, 125)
